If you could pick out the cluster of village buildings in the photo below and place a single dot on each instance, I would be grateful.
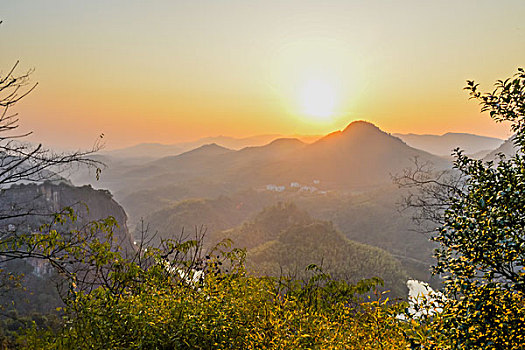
(296, 186)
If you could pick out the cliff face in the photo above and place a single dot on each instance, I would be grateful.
(26, 207)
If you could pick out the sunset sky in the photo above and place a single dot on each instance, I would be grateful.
(172, 71)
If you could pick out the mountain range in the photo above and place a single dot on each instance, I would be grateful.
(343, 177)
(443, 145)
(348, 216)
(507, 148)
(360, 156)
(157, 150)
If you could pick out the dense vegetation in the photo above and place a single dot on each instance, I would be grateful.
(371, 218)
(284, 240)
(176, 298)
(482, 240)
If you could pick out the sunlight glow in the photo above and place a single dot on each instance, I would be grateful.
(318, 99)
(317, 80)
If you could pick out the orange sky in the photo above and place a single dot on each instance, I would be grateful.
(171, 71)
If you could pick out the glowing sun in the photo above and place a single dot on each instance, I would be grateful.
(318, 99)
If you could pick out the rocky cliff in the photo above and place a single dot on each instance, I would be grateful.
(24, 208)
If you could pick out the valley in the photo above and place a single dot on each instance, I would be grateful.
(343, 178)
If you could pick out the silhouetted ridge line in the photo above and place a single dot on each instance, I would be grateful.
(362, 125)
(209, 149)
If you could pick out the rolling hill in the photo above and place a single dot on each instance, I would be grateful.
(283, 239)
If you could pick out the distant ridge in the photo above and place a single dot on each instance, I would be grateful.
(443, 145)
(285, 141)
(507, 148)
(361, 155)
(355, 128)
(145, 150)
(209, 149)
(158, 150)
(357, 157)
(278, 145)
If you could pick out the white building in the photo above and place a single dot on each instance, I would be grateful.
(275, 188)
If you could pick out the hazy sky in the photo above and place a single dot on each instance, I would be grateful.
(170, 71)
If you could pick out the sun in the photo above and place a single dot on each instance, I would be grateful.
(318, 99)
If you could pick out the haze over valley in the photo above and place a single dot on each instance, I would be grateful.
(345, 178)
(289, 201)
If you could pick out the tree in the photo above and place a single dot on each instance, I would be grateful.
(21, 161)
(480, 211)
(185, 298)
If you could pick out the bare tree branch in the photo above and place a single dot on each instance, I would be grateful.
(22, 162)
(428, 192)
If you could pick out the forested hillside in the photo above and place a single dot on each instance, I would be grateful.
(284, 240)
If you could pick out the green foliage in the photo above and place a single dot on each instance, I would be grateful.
(505, 103)
(176, 297)
(482, 237)
(488, 316)
(319, 242)
(482, 241)
(284, 240)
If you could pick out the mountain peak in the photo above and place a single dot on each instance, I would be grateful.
(286, 141)
(361, 125)
(209, 149)
(357, 131)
